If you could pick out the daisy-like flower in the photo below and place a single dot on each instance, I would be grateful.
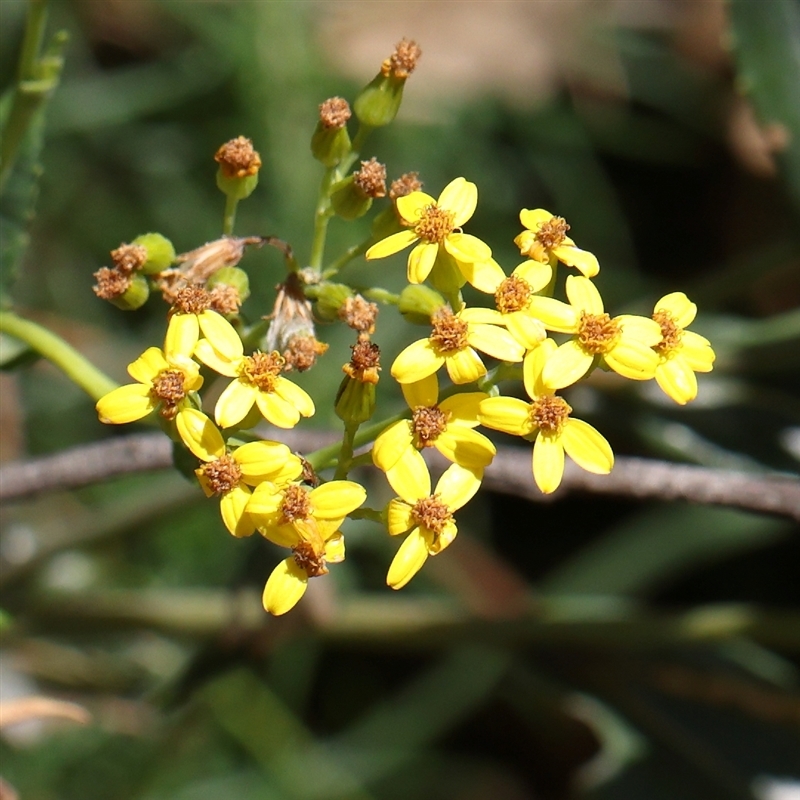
(428, 517)
(163, 383)
(229, 474)
(681, 353)
(546, 240)
(191, 315)
(546, 420)
(452, 343)
(436, 225)
(258, 381)
(448, 426)
(624, 343)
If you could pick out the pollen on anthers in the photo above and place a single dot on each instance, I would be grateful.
(191, 300)
(309, 560)
(365, 362)
(168, 389)
(550, 413)
(513, 294)
(128, 258)
(431, 513)
(427, 424)
(222, 474)
(295, 505)
(434, 224)
(552, 233)
(261, 369)
(597, 333)
(449, 333)
(671, 333)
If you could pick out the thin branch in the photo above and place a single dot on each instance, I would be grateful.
(510, 473)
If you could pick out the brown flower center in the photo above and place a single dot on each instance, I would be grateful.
(597, 333)
(513, 294)
(334, 112)
(550, 413)
(371, 178)
(110, 283)
(359, 314)
(434, 224)
(365, 362)
(431, 513)
(427, 422)
(402, 61)
(302, 351)
(168, 389)
(128, 258)
(238, 158)
(309, 560)
(449, 333)
(191, 300)
(671, 333)
(296, 504)
(552, 233)
(262, 369)
(225, 299)
(405, 184)
(223, 474)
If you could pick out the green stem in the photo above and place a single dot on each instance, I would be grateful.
(229, 220)
(345, 452)
(379, 295)
(62, 355)
(322, 215)
(456, 301)
(367, 513)
(352, 252)
(355, 150)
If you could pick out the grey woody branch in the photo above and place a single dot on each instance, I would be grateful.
(510, 473)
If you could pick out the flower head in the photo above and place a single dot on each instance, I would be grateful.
(546, 240)
(436, 225)
(229, 473)
(452, 343)
(258, 381)
(624, 343)
(548, 422)
(681, 353)
(428, 516)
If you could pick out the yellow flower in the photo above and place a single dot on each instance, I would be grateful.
(546, 240)
(164, 382)
(512, 297)
(229, 474)
(190, 316)
(428, 517)
(447, 426)
(307, 521)
(547, 421)
(624, 343)
(258, 380)
(681, 353)
(451, 344)
(289, 580)
(436, 225)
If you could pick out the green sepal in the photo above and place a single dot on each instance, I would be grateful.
(330, 145)
(160, 252)
(418, 303)
(135, 296)
(379, 101)
(236, 188)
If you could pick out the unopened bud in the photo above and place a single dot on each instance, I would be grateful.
(331, 141)
(330, 298)
(418, 303)
(232, 278)
(239, 164)
(160, 252)
(125, 292)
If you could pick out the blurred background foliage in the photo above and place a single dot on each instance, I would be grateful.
(658, 655)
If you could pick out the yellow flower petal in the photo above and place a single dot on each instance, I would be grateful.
(533, 366)
(267, 461)
(677, 380)
(533, 218)
(587, 447)
(478, 315)
(216, 361)
(419, 360)
(409, 477)
(334, 549)
(582, 260)
(507, 414)
(399, 518)
(183, 331)
(467, 248)
(421, 260)
(496, 342)
(234, 403)
(697, 352)
(199, 434)
(645, 330)
(125, 404)
(411, 206)
(632, 360)
(548, 463)
(458, 485)
(535, 273)
(527, 330)
(391, 444)
(421, 393)
(285, 586)
(281, 413)
(555, 315)
(567, 365)
(461, 197)
(485, 275)
(465, 446)
(463, 408)
(583, 295)
(233, 508)
(682, 310)
(220, 333)
(465, 366)
(437, 543)
(147, 367)
(295, 396)
(336, 499)
(408, 560)
(391, 244)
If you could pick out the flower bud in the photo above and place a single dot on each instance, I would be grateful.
(127, 292)
(232, 277)
(160, 252)
(330, 298)
(239, 163)
(355, 401)
(331, 141)
(379, 101)
(418, 303)
(348, 201)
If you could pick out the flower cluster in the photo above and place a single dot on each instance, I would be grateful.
(520, 332)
